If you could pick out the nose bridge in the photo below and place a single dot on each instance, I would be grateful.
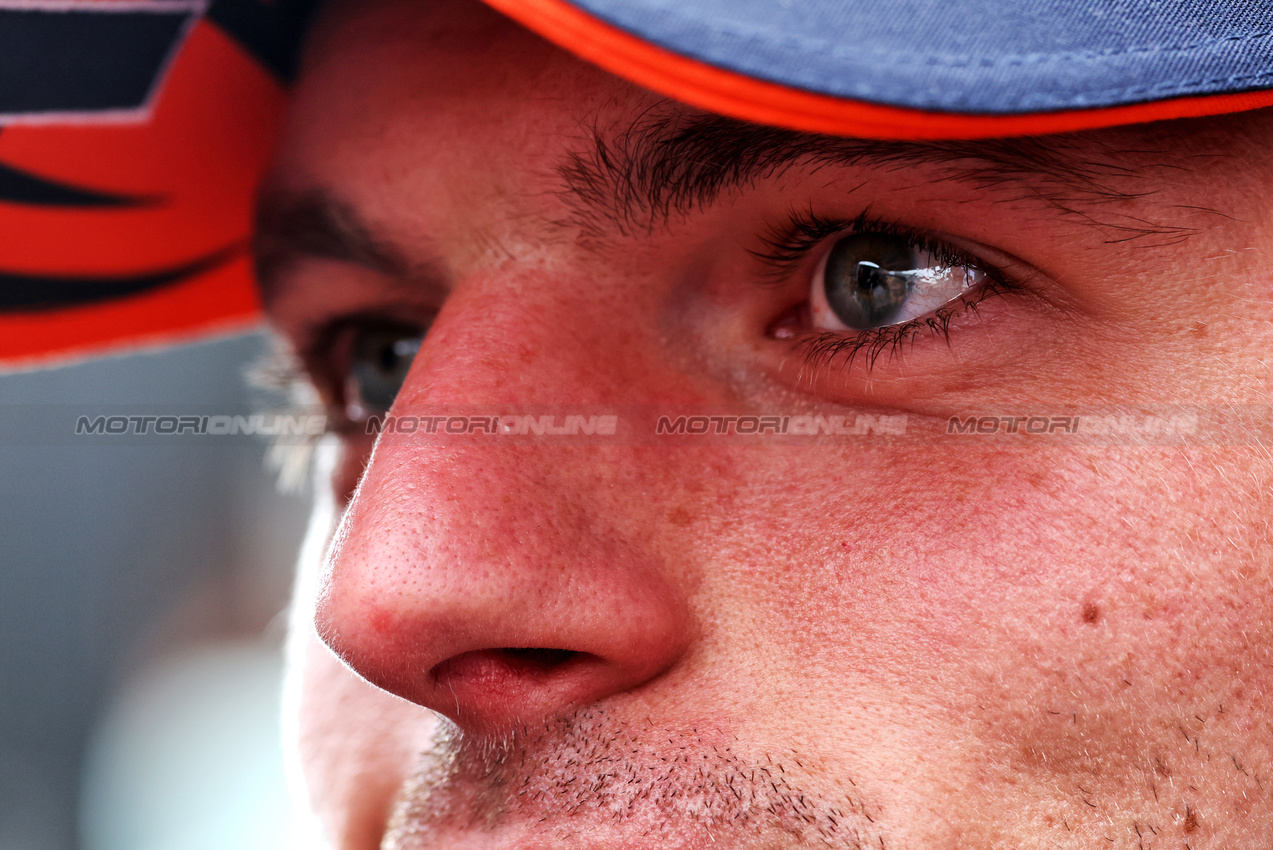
(529, 337)
(491, 580)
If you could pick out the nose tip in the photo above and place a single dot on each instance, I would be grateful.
(499, 665)
(446, 590)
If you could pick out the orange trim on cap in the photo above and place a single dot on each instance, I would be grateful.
(738, 95)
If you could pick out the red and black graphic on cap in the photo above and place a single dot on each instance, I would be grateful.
(134, 134)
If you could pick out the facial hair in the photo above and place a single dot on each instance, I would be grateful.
(589, 780)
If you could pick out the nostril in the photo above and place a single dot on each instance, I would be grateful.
(536, 661)
(499, 668)
(489, 687)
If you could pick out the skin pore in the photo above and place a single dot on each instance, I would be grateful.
(930, 641)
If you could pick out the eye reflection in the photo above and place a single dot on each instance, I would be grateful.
(379, 358)
(872, 280)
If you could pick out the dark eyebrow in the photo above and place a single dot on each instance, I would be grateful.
(291, 226)
(670, 161)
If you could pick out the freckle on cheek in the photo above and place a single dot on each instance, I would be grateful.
(679, 517)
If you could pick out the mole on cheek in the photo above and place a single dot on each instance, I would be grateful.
(1091, 612)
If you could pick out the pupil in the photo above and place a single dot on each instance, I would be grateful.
(864, 280)
(388, 358)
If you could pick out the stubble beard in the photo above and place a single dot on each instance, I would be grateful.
(590, 780)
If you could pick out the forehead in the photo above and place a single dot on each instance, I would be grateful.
(393, 73)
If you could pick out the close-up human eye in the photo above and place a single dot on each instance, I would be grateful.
(379, 359)
(870, 288)
(363, 363)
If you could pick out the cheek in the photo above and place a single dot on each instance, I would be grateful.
(966, 576)
(355, 745)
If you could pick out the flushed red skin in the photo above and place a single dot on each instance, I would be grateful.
(951, 643)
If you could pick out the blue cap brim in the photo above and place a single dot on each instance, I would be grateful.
(964, 68)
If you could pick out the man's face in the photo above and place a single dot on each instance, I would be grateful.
(939, 636)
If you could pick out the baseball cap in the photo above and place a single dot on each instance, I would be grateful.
(133, 133)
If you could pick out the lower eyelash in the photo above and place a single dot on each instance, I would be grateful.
(827, 349)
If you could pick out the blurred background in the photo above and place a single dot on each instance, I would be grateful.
(142, 582)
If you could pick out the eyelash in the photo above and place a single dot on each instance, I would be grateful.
(787, 247)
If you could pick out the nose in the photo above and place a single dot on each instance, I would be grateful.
(499, 584)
